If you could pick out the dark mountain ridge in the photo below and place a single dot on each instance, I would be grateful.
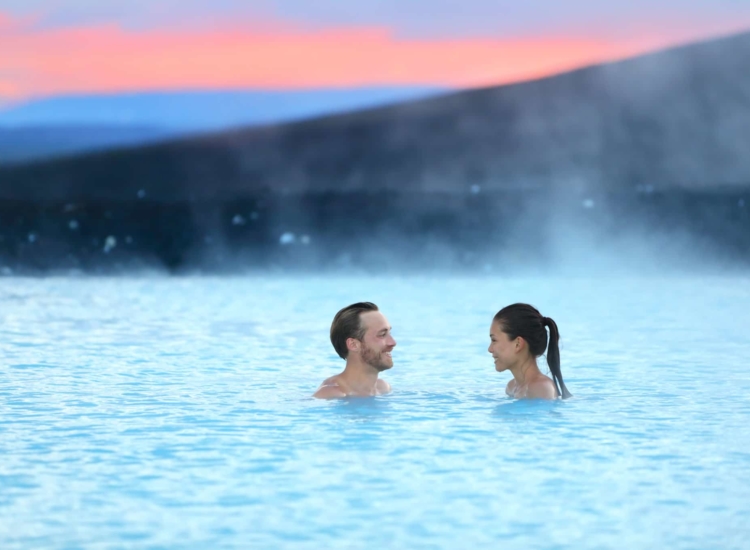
(656, 144)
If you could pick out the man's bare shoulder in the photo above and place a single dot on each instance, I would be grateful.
(382, 387)
(541, 388)
(330, 389)
(329, 392)
(331, 380)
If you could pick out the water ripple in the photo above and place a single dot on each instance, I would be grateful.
(176, 413)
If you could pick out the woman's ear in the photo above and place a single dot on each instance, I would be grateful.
(519, 343)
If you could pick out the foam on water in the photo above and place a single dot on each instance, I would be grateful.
(175, 413)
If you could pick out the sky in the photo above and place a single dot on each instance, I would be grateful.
(59, 47)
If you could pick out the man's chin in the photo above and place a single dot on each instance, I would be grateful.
(383, 367)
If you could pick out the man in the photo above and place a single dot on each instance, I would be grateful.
(361, 336)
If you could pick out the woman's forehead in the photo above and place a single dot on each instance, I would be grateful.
(496, 328)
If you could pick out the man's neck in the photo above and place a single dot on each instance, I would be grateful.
(360, 377)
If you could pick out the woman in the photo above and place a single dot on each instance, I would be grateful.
(518, 336)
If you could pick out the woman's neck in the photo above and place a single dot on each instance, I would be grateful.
(525, 371)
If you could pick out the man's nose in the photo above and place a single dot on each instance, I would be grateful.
(391, 341)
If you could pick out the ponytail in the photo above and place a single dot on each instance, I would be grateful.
(525, 321)
(553, 357)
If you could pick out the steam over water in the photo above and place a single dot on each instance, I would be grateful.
(158, 412)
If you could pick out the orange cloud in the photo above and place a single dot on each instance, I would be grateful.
(107, 58)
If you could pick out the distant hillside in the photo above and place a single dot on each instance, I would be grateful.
(73, 124)
(27, 143)
(680, 118)
(638, 162)
(202, 110)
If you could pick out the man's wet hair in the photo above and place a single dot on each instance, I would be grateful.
(347, 324)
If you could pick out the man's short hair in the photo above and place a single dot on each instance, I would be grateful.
(347, 324)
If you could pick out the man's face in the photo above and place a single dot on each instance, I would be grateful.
(377, 342)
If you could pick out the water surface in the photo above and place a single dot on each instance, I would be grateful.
(175, 413)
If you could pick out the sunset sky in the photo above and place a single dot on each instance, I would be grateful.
(53, 47)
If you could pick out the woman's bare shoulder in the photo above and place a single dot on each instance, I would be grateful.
(541, 388)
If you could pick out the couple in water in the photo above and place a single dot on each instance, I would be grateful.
(361, 335)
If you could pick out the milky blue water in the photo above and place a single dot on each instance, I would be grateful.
(176, 413)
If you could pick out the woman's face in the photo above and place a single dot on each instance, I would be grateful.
(504, 350)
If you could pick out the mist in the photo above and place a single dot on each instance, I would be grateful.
(635, 166)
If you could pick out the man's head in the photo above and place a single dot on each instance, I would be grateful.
(361, 328)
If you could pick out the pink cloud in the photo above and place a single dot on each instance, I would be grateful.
(273, 55)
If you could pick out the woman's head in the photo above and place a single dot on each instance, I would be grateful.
(520, 330)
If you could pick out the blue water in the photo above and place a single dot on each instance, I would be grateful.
(175, 413)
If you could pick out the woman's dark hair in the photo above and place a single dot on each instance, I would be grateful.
(346, 324)
(525, 321)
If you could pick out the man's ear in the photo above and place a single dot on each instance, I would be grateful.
(352, 344)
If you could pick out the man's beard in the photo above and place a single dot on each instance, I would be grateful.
(376, 360)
